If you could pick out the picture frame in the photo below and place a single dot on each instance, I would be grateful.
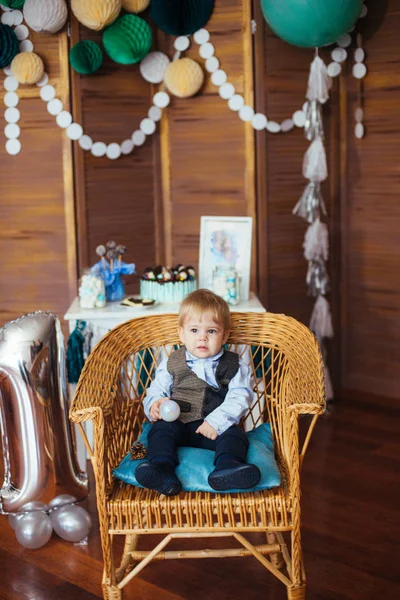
(226, 241)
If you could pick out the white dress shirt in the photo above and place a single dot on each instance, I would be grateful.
(237, 401)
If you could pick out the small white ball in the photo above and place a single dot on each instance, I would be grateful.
(127, 146)
(86, 142)
(22, 32)
(13, 147)
(334, 69)
(273, 127)
(11, 99)
(339, 55)
(64, 119)
(344, 40)
(212, 64)
(161, 99)
(74, 131)
(99, 149)
(359, 70)
(12, 115)
(44, 81)
(219, 77)
(259, 121)
(206, 50)
(154, 113)
(169, 410)
(147, 126)
(18, 17)
(359, 131)
(182, 43)
(113, 151)
(359, 55)
(201, 36)
(55, 106)
(246, 113)
(7, 18)
(236, 102)
(226, 91)
(299, 117)
(287, 125)
(47, 93)
(138, 137)
(26, 46)
(11, 84)
(12, 131)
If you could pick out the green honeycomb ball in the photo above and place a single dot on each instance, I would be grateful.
(181, 17)
(86, 57)
(127, 40)
(9, 45)
(13, 3)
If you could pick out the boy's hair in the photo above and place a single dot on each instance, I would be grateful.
(202, 301)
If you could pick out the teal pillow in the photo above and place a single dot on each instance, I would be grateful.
(195, 464)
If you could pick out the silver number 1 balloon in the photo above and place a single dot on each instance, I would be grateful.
(38, 450)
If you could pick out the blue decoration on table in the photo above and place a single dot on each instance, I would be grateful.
(195, 464)
(111, 273)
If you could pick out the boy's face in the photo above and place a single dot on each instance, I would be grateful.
(202, 336)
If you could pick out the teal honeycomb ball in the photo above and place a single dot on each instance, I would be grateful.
(181, 17)
(9, 45)
(311, 23)
(86, 57)
(128, 40)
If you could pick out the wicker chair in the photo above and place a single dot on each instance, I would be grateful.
(288, 381)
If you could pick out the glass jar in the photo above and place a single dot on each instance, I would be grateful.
(91, 290)
(225, 283)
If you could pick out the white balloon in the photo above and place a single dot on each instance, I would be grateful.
(33, 530)
(169, 410)
(71, 523)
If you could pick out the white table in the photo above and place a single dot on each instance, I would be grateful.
(100, 320)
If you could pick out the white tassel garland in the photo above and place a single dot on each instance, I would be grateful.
(319, 82)
(321, 319)
(314, 163)
(316, 241)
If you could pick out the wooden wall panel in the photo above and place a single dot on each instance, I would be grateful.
(371, 216)
(115, 199)
(209, 151)
(37, 241)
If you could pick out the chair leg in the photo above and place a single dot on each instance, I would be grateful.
(276, 557)
(131, 541)
(297, 593)
(111, 592)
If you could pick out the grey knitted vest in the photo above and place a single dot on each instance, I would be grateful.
(195, 397)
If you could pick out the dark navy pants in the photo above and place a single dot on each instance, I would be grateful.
(164, 439)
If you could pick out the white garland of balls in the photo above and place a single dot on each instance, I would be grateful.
(152, 69)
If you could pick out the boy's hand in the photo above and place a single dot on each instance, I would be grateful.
(155, 409)
(207, 430)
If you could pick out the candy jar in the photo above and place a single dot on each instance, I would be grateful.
(225, 283)
(91, 291)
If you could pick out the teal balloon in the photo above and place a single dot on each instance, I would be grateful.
(128, 40)
(311, 23)
(9, 45)
(86, 57)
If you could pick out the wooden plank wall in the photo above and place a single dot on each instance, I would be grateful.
(37, 242)
(371, 215)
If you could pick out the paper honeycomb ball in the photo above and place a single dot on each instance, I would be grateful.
(9, 45)
(86, 57)
(45, 16)
(27, 67)
(128, 40)
(135, 6)
(310, 23)
(15, 4)
(184, 77)
(96, 14)
(181, 17)
(153, 67)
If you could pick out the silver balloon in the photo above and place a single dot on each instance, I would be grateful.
(38, 450)
(71, 523)
(62, 500)
(33, 530)
(28, 507)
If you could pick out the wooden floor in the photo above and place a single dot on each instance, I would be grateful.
(351, 530)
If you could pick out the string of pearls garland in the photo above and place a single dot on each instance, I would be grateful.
(161, 99)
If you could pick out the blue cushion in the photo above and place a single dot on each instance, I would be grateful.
(195, 464)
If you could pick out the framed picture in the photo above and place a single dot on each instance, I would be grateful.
(225, 241)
